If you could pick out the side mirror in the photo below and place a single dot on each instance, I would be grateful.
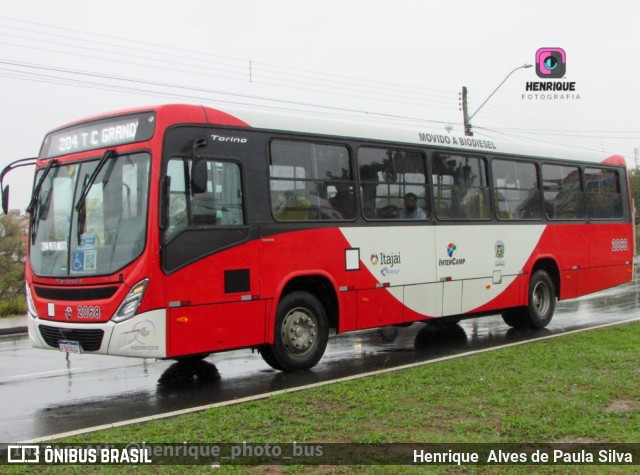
(5, 199)
(199, 167)
(199, 176)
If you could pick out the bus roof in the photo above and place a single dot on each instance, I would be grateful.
(361, 128)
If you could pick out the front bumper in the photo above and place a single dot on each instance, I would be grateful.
(143, 336)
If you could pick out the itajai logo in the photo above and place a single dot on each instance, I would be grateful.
(452, 261)
(500, 250)
(389, 262)
(386, 259)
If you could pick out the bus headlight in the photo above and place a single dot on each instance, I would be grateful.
(131, 302)
(31, 307)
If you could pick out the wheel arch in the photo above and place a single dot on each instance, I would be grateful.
(319, 284)
(550, 266)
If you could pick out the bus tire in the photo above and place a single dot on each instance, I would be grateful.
(542, 304)
(301, 333)
(542, 300)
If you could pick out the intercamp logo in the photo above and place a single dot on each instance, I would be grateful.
(451, 261)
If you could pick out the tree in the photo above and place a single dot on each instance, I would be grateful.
(634, 181)
(12, 254)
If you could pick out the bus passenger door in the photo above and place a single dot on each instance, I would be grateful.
(213, 285)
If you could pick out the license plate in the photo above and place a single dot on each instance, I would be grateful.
(69, 346)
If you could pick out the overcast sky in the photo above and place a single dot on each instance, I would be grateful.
(64, 60)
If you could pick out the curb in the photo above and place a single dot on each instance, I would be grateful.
(13, 330)
(13, 325)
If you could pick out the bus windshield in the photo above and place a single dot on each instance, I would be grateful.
(105, 232)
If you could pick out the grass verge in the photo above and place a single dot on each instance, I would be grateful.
(578, 388)
(13, 305)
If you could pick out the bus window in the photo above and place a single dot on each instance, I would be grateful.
(310, 182)
(563, 198)
(220, 205)
(460, 187)
(516, 192)
(602, 193)
(393, 184)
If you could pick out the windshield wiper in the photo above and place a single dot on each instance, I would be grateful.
(36, 191)
(87, 184)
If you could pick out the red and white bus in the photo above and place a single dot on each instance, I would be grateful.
(178, 231)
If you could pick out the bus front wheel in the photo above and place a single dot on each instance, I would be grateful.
(542, 303)
(301, 333)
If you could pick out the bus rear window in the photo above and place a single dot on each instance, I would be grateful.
(602, 193)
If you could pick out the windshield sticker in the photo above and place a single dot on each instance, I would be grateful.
(84, 261)
(88, 241)
(57, 246)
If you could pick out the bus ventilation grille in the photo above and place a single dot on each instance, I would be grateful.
(90, 340)
(81, 293)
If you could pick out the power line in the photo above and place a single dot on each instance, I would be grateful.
(209, 65)
(241, 64)
(94, 76)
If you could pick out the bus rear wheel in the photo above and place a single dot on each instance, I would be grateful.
(301, 333)
(542, 304)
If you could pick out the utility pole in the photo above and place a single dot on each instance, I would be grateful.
(466, 117)
(465, 112)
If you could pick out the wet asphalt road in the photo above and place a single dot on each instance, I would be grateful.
(44, 393)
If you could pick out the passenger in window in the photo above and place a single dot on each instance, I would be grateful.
(295, 207)
(343, 201)
(411, 208)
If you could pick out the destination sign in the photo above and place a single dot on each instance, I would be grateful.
(99, 134)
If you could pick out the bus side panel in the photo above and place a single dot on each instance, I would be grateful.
(610, 254)
(426, 297)
(568, 246)
(590, 257)
(600, 278)
(610, 244)
(208, 328)
(477, 291)
(569, 280)
(378, 307)
(347, 318)
(513, 295)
